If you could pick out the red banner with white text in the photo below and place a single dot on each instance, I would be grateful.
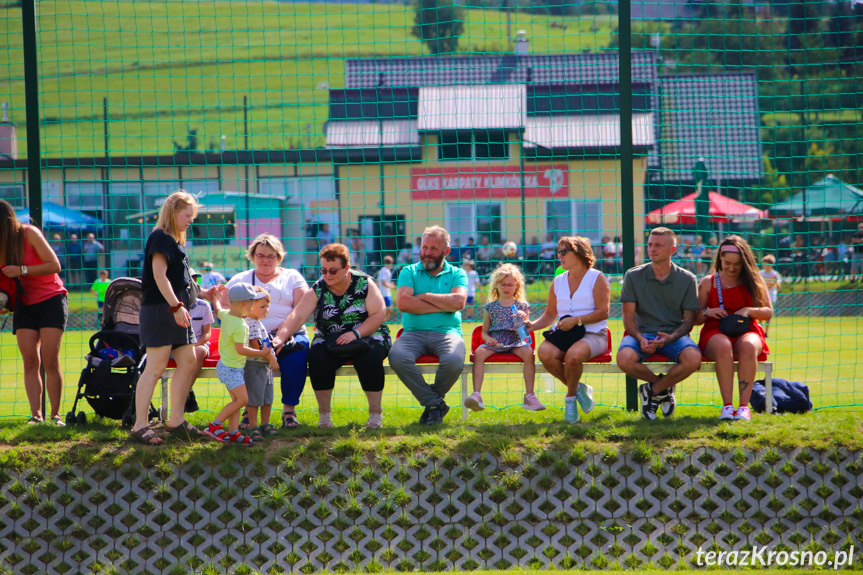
(481, 183)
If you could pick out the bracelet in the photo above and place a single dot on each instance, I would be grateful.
(357, 333)
(23, 270)
(174, 308)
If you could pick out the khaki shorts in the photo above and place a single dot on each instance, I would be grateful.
(598, 342)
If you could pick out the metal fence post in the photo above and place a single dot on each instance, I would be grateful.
(624, 31)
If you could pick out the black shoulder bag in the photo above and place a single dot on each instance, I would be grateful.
(563, 339)
(733, 325)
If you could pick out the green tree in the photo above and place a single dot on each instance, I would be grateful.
(439, 23)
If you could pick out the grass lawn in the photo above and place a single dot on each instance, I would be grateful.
(822, 352)
(167, 66)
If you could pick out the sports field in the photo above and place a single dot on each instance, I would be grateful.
(822, 352)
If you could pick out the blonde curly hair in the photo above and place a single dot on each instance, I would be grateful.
(497, 276)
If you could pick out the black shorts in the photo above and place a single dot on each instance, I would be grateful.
(53, 312)
(158, 328)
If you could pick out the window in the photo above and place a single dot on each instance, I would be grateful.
(196, 187)
(465, 221)
(124, 210)
(574, 218)
(456, 146)
(304, 198)
(87, 197)
(479, 145)
(14, 195)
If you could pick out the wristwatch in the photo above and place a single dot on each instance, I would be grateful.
(704, 311)
(357, 333)
(23, 270)
(579, 320)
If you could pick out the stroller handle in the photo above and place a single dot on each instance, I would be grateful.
(123, 337)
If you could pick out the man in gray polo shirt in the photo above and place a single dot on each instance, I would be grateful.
(431, 295)
(660, 303)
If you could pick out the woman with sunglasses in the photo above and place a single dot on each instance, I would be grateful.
(286, 287)
(578, 299)
(735, 287)
(349, 311)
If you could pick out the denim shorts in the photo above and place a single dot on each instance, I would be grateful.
(232, 377)
(388, 301)
(670, 350)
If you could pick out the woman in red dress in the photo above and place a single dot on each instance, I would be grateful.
(743, 292)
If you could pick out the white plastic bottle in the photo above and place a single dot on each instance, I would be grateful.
(520, 328)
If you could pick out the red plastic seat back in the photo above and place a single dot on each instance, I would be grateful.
(476, 341)
(214, 356)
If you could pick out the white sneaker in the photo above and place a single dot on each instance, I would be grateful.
(531, 403)
(570, 410)
(376, 420)
(727, 412)
(584, 395)
(474, 402)
(743, 413)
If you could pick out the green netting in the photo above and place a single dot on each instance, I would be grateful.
(366, 122)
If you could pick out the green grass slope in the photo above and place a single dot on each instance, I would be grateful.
(167, 66)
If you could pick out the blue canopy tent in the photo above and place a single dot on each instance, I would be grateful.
(60, 218)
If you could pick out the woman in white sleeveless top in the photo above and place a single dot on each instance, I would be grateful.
(584, 295)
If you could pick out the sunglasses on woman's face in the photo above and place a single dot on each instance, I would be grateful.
(562, 252)
(330, 272)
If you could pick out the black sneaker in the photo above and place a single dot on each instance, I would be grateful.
(425, 416)
(669, 403)
(437, 413)
(649, 404)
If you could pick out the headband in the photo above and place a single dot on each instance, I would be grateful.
(729, 248)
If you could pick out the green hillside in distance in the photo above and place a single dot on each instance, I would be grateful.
(168, 67)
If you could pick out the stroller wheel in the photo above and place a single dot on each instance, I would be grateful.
(70, 419)
(82, 418)
(129, 419)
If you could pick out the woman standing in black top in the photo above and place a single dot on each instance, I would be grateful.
(164, 320)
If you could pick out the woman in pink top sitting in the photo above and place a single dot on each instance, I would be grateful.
(41, 313)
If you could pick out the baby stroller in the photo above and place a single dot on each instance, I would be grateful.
(115, 359)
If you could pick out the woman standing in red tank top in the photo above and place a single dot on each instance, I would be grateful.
(41, 313)
(735, 287)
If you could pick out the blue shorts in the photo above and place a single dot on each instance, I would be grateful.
(388, 300)
(470, 300)
(101, 304)
(670, 350)
(232, 377)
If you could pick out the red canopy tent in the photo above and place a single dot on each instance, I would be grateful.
(722, 209)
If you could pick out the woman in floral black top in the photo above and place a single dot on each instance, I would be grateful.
(347, 302)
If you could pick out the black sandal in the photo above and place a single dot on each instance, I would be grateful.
(186, 431)
(289, 420)
(146, 436)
